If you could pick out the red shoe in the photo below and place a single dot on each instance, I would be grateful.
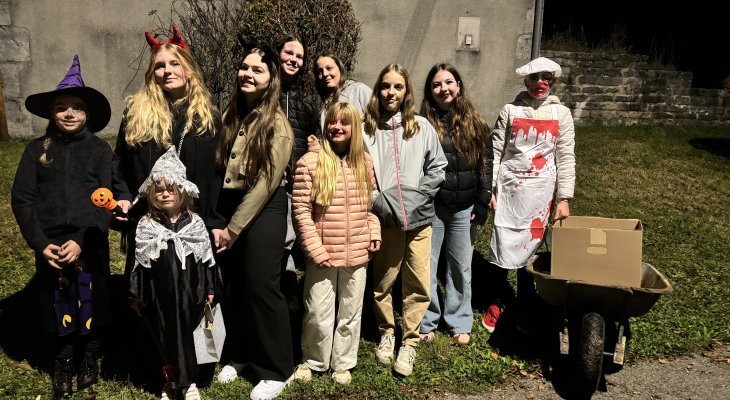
(491, 317)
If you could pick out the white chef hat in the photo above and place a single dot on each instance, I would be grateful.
(538, 65)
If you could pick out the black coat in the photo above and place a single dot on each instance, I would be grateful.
(303, 116)
(52, 204)
(464, 185)
(132, 165)
(172, 299)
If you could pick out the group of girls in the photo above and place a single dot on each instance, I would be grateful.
(359, 176)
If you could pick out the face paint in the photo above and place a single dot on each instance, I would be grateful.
(538, 90)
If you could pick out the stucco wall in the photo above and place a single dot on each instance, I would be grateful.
(107, 36)
(38, 39)
(418, 34)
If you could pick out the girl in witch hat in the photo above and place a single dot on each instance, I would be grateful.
(174, 273)
(50, 199)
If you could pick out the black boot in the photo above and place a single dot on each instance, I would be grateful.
(63, 378)
(88, 373)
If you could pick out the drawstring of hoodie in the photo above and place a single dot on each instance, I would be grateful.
(397, 175)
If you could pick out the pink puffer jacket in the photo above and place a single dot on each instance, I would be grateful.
(340, 233)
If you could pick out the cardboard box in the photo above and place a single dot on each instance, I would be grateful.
(605, 251)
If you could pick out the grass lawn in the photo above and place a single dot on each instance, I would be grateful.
(674, 179)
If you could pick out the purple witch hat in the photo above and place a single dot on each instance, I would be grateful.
(73, 76)
(98, 110)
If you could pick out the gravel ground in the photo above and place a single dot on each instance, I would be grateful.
(703, 376)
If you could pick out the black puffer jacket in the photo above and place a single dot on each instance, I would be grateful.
(303, 117)
(464, 185)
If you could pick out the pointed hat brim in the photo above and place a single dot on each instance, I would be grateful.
(98, 110)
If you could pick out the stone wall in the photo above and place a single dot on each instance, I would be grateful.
(14, 58)
(625, 89)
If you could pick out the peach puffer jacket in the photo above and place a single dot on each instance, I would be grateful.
(340, 233)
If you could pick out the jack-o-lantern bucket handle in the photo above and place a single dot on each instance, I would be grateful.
(103, 198)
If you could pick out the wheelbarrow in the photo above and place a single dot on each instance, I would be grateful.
(595, 328)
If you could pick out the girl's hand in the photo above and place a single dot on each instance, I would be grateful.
(493, 203)
(562, 210)
(374, 246)
(126, 205)
(233, 237)
(325, 264)
(312, 143)
(70, 252)
(210, 299)
(224, 239)
(50, 253)
(219, 239)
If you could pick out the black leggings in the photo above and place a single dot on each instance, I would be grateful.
(525, 286)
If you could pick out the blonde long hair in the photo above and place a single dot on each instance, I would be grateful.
(328, 165)
(407, 107)
(149, 111)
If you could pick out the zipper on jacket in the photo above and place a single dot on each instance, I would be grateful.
(397, 175)
(67, 182)
(347, 213)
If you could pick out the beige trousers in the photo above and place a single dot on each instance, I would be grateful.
(407, 253)
(321, 349)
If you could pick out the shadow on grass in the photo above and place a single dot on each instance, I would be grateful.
(21, 335)
(128, 352)
(717, 146)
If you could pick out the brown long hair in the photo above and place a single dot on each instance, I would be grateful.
(327, 95)
(468, 129)
(260, 121)
(407, 107)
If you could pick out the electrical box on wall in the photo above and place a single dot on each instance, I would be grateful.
(468, 34)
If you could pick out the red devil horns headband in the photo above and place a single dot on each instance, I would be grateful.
(175, 39)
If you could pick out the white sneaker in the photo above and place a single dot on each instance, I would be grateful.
(303, 373)
(230, 372)
(405, 361)
(342, 377)
(165, 389)
(192, 393)
(385, 349)
(267, 389)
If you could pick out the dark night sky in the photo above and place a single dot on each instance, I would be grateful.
(693, 36)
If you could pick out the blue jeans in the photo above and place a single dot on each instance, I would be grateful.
(455, 235)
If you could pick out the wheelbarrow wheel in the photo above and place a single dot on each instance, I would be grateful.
(589, 355)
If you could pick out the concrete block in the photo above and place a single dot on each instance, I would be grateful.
(20, 124)
(5, 12)
(14, 44)
(11, 79)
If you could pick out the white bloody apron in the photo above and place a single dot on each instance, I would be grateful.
(525, 187)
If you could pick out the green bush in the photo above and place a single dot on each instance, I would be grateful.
(213, 29)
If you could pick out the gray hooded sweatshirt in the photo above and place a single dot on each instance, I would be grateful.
(408, 172)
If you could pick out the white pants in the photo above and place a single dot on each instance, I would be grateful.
(321, 349)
